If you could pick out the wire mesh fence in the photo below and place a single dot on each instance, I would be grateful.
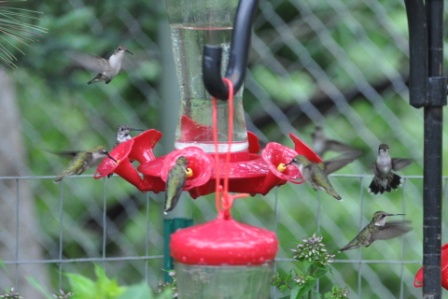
(131, 241)
(339, 64)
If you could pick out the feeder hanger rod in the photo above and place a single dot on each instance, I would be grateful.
(428, 89)
(239, 51)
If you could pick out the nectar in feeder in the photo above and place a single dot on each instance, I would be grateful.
(194, 24)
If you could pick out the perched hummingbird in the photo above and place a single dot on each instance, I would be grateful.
(107, 69)
(175, 183)
(316, 174)
(385, 179)
(321, 144)
(378, 229)
(82, 160)
(123, 133)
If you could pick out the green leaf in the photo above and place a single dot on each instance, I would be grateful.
(82, 286)
(138, 291)
(166, 294)
(103, 288)
(306, 287)
(295, 292)
(108, 288)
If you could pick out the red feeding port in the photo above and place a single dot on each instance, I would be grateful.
(249, 171)
(418, 281)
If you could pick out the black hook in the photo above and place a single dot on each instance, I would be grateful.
(239, 50)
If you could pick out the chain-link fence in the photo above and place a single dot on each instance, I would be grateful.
(339, 64)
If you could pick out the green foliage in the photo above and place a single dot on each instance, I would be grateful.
(103, 288)
(11, 294)
(82, 287)
(313, 263)
(301, 62)
(142, 291)
(296, 87)
(336, 293)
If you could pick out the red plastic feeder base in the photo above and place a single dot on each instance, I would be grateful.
(223, 242)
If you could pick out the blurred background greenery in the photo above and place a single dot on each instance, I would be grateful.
(339, 64)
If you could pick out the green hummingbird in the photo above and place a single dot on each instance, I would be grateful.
(378, 229)
(385, 179)
(82, 160)
(316, 174)
(175, 183)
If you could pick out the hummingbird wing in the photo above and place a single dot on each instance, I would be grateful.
(90, 62)
(337, 163)
(391, 230)
(336, 146)
(66, 154)
(400, 163)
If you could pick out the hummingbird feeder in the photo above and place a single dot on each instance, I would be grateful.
(221, 258)
(249, 171)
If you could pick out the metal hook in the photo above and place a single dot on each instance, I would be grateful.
(239, 50)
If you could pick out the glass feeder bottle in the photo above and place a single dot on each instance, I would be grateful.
(195, 23)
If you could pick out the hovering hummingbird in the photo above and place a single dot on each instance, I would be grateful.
(82, 160)
(321, 144)
(316, 174)
(123, 133)
(378, 229)
(107, 69)
(385, 179)
(175, 183)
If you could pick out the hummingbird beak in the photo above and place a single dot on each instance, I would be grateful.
(129, 52)
(397, 214)
(132, 129)
(112, 158)
(289, 163)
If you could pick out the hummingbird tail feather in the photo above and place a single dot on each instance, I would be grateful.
(58, 179)
(337, 196)
(171, 201)
(347, 247)
(394, 180)
(375, 188)
(97, 78)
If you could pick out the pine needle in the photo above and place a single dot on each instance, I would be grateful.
(16, 30)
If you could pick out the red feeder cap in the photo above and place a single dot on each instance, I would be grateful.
(223, 242)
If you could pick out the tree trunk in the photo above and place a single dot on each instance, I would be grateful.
(19, 230)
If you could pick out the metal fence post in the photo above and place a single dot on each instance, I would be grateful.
(181, 217)
(428, 89)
